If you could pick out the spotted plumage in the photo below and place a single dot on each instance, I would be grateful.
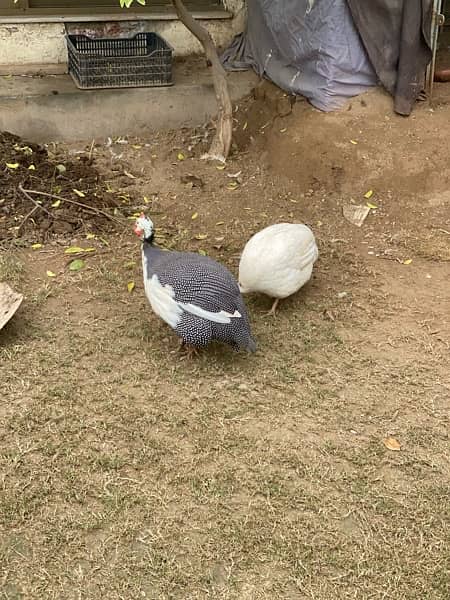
(195, 295)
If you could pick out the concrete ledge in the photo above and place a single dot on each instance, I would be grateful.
(52, 108)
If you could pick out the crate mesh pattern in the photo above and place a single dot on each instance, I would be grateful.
(144, 60)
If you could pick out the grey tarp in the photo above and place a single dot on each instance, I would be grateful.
(307, 47)
(396, 35)
(317, 48)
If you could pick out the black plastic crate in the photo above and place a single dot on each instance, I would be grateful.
(144, 60)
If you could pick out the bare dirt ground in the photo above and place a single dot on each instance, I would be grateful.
(129, 473)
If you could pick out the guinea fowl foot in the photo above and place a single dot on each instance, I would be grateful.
(272, 311)
(191, 351)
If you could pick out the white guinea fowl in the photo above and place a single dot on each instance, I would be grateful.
(278, 261)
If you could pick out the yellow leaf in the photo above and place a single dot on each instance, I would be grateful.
(220, 223)
(32, 168)
(51, 274)
(408, 261)
(80, 194)
(36, 246)
(56, 204)
(90, 236)
(392, 444)
(73, 250)
(130, 286)
(136, 146)
(194, 216)
(12, 165)
(283, 130)
(180, 156)
(202, 252)
(245, 126)
(368, 194)
(146, 200)
(232, 185)
(201, 236)
(354, 142)
(370, 205)
(129, 265)
(77, 250)
(220, 167)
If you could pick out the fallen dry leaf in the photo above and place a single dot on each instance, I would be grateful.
(77, 250)
(130, 286)
(355, 214)
(192, 180)
(392, 443)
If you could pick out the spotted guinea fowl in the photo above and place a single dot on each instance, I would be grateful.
(195, 295)
(278, 261)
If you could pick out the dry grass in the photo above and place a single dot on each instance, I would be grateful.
(128, 473)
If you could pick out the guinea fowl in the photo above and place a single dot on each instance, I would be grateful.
(194, 294)
(278, 261)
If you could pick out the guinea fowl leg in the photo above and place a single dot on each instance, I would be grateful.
(272, 311)
(191, 351)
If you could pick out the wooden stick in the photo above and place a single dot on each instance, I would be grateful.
(97, 211)
(27, 216)
(27, 193)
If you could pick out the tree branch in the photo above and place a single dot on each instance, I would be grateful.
(221, 143)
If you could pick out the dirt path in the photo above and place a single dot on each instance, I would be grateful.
(128, 473)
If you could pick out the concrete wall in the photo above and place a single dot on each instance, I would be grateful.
(32, 43)
(40, 47)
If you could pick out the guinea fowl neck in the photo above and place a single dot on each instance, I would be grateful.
(149, 240)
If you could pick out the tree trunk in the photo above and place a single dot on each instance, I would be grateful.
(220, 146)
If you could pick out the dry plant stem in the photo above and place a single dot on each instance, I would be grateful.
(97, 211)
(28, 215)
(27, 193)
(221, 144)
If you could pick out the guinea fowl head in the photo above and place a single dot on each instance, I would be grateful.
(144, 228)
